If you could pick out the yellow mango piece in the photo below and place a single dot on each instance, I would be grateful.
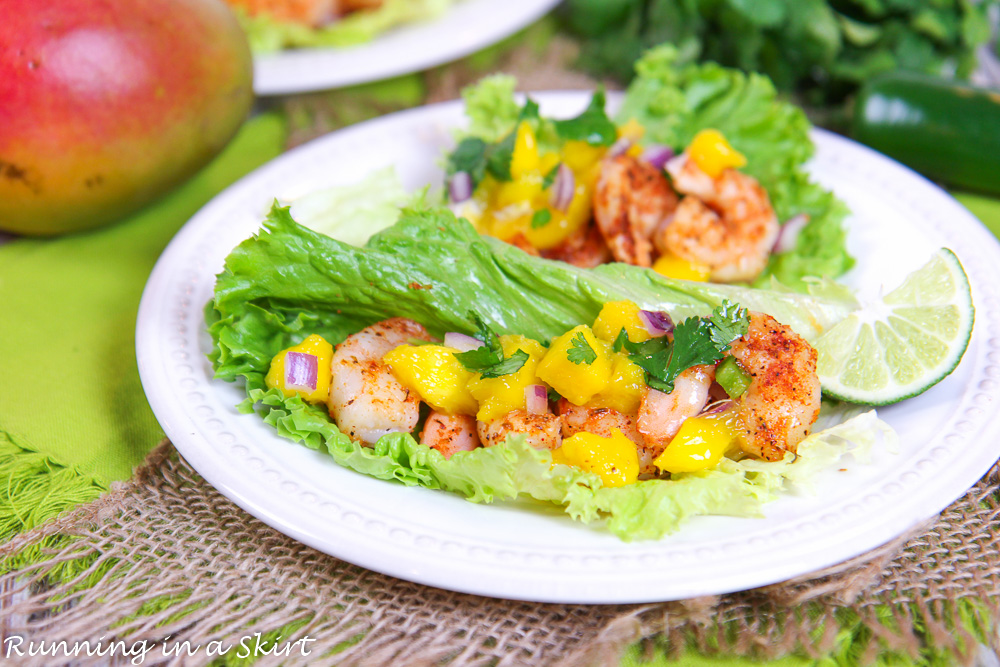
(323, 351)
(712, 153)
(577, 382)
(547, 162)
(525, 156)
(435, 375)
(507, 223)
(635, 150)
(616, 315)
(581, 156)
(498, 396)
(521, 190)
(632, 129)
(699, 444)
(624, 392)
(562, 224)
(615, 460)
(672, 266)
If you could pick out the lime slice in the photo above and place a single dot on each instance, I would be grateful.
(905, 343)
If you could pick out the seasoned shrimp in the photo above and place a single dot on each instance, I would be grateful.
(631, 201)
(585, 248)
(782, 402)
(725, 223)
(661, 414)
(449, 433)
(603, 422)
(366, 400)
(542, 431)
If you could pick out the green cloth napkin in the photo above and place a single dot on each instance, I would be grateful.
(70, 400)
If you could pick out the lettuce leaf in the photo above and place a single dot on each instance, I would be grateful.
(267, 34)
(290, 281)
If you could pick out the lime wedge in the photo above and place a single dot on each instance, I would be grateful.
(905, 343)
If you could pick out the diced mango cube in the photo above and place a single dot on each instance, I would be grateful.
(562, 224)
(525, 156)
(616, 315)
(632, 129)
(713, 154)
(322, 350)
(700, 443)
(498, 396)
(672, 266)
(614, 459)
(581, 156)
(624, 392)
(521, 190)
(577, 365)
(437, 377)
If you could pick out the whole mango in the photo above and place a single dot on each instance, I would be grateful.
(107, 104)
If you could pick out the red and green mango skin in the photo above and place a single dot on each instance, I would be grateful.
(107, 104)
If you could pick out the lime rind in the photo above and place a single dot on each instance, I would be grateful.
(906, 343)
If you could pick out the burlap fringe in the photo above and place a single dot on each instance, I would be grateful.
(164, 556)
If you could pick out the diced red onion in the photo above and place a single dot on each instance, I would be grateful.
(620, 147)
(461, 342)
(656, 323)
(301, 371)
(460, 186)
(717, 407)
(536, 399)
(563, 188)
(788, 235)
(657, 155)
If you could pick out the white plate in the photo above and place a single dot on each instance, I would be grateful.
(525, 551)
(464, 28)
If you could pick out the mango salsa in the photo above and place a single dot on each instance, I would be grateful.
(433, 372)
(315, 345)
(498, 396)
(577, 365)
(616, 315)
(614, 459)
(700, 443)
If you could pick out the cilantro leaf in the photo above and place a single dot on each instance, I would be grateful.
(541, 218)
(592, 126)
(550, 177)
(731, 321)
(499, 156)
(488, 360)
(511, 364)
(620, 341)
(488, 355)
(580, 351)
(694, 344)
(469, 156)
(529, 111)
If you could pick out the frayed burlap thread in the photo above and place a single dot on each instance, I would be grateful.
(166, 557)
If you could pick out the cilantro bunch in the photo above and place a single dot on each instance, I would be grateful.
(822, 48)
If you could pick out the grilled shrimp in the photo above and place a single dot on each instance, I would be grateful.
(366, 400)
(449, 433)
(631, 201)
(782, 402)
(725, 223)
(542, 431)
(585, 248)
(661, 414)
(603, 422)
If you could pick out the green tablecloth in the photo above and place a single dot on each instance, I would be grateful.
(73, 417)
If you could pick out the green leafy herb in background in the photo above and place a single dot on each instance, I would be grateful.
(823, 48)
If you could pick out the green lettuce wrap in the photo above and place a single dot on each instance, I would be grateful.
(288, 282)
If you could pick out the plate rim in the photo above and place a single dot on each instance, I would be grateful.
(261, 510)
(329, 68)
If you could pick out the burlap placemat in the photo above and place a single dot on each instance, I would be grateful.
(166, 557)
